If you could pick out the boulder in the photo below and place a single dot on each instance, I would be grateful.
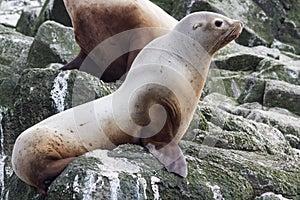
(8, 82)
(270, 196)
(26, 21)
(130, 172)
(53, 43)
(225, 82)
(286, 122)
(229, 131)
(280, 18)
(253, 91)
(283, 95)
(278, 70)
(35, 99)
(11, 10)
(236, 57)
(53, 10)
(14, 48)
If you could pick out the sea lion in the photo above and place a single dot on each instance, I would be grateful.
(96, 20)
(153, 107)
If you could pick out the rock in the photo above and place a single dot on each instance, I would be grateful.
(289, 33)
(236, 70)
(293, 140)
(249, 38)
(130, 172)
(253, 91)
(283, 95)
(54, 43)
(239, 58)
(229, 131)
(11, 10)
(53, 10)
(277, 70)
(280, 18)
(26, 22)
(284, 121)
(35, 99)
(283, 47)
(270, 196)
(14, 48)
(8, 82)
(225, 82)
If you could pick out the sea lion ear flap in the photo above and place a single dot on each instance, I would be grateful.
(171, 157)
(197, 25)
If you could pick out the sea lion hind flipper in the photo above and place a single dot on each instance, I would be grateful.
(171, 157)
(50, 172)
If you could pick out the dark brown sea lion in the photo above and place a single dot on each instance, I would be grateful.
(97, 20)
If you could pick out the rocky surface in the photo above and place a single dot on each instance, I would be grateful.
(244, 139)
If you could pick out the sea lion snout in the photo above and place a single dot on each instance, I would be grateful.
(237, 28)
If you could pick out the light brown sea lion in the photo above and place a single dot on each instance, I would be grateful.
(96, 20)
(153, 107)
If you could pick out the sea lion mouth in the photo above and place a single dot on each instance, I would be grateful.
(234, 33)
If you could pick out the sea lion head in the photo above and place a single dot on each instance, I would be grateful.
(211, 30)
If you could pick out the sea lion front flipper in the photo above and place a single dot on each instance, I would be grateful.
(76, 63)
(171, 157)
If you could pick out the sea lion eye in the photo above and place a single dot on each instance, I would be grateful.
(218, 23)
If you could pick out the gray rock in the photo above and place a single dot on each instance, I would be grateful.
(54, 43)
(249, 38)
(286, 123)
(293, 140)
(11, 10)
(8, 82)
(283, 95)
(283, 47)
(236, 132)
(14, 48)
(283, 120)
(129, 172)
(271, 196)
(35, 99)
(253, 91)
(53, 10)
(225, 82)
(277, 70)
(280, 18)
(239, 58)
(26, 22)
